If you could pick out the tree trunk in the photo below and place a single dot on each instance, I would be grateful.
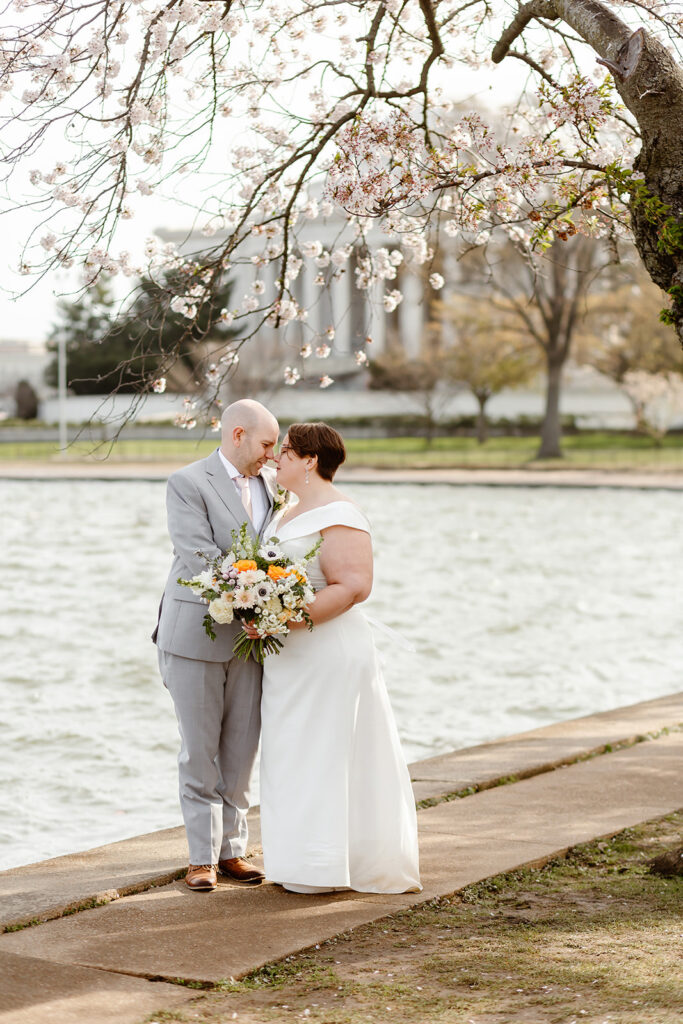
(482, 422)
(650, 82)
(551, 430)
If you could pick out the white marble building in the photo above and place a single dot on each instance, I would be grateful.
(354, 314)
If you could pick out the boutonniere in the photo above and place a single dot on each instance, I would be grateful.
(281, 498)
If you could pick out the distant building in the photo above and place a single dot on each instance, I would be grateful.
(354, 314)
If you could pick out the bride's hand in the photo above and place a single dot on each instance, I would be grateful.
(251, 631)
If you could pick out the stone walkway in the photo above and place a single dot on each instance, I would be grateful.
(566, 785)
(111, 470)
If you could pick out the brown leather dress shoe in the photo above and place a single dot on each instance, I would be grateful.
(241, 871)
(201, 877)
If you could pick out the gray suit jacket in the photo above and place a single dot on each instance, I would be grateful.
(203, 508)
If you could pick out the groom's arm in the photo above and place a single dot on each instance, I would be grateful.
(188, 523)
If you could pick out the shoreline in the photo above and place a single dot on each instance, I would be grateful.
(154, 472)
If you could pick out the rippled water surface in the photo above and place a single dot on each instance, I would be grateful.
(525, 607)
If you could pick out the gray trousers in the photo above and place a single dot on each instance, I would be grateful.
(218, 707)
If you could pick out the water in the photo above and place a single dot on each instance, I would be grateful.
(526, 606)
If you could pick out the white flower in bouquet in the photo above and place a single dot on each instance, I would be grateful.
(272, 623)
(204, 581)
(249, 577)
(299, 573)
(221, 609)
(280, 626)
(273, 606)
(270, 552)
(263, 591)
(244, 597)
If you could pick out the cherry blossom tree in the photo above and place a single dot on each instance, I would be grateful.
(657, 399)
(263, 117)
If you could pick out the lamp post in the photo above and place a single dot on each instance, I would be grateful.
(61, 386)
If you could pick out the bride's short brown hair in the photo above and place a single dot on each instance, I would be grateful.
(318, 439)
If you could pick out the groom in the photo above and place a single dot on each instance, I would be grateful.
(217, 696)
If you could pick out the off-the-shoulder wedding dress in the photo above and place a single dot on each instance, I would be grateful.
(337, 807)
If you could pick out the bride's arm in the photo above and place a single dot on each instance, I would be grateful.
(346, 561)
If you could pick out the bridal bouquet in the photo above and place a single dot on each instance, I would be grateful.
(257, 584)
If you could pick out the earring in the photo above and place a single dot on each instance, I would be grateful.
(306, 476)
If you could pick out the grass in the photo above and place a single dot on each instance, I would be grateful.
(592, 937)
(589, 450)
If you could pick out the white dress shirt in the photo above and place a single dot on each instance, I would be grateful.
(259, 500)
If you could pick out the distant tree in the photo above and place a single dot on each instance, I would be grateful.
(424, 377)
(139, 343)
(544, 295)
(192, 354)
(622, 335)
(26, 401)
(83, 326)
(488, 354)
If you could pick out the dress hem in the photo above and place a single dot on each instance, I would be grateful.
(416, 888)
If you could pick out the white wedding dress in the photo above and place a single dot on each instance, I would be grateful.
(337, 806)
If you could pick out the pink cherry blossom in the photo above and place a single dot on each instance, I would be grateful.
(196, 100)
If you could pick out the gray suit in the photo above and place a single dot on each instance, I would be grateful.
(217, 697)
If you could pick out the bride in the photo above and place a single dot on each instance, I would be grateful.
(337, 807)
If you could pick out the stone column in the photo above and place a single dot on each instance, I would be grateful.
(411, 314)
(376, 318)
(341, 309)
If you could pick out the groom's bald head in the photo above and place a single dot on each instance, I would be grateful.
(249, 433)
(248, 414)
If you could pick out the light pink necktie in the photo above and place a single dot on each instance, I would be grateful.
(245, 493)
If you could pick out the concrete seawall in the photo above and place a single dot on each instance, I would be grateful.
(108, 931)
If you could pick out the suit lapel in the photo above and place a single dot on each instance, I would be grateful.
(268, 481)
(226, 490)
